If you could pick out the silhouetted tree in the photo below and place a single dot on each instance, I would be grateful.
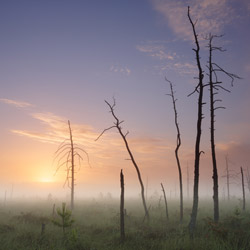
(122, 229)
(214, 86)
(231, 177)
(243, 190)
(227, 171)
(178, 144)
(248, 179)
(187, 181)
(199, 89)
(165, 200)
(117, 125)
(66, 155)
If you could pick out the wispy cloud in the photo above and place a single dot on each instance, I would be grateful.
(212, 15)
(120, 69)
(18, 104)
(148, 145)
(108, 151)
(169, 60)
(185, 68)
(156, 50)
(57, 130)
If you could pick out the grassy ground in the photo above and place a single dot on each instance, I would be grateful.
(96, 227)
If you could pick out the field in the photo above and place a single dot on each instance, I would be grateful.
(96, 226)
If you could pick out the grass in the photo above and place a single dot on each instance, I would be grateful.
(96, 227)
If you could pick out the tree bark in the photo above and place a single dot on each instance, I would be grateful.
(243, 190)
(165, 200)
(66, 155)
(137, 170)
(187, 182)
(72, 168)
(122, 229)
(118, 127)
(227, 175)
(199, 89)
(178, 144)
(212, 121)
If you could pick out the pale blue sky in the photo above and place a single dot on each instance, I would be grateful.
(65, 57)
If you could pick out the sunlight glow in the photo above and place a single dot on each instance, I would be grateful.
(46, 180)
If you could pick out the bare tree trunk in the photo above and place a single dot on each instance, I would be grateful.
(243, 190)
(72, 168)
(215, 85)
(212, 121)
(118, 127)
(137, 170)
(165, 200)
(66, 156)
(122, 230)
(248, 179)
(187, 182)
(199, 88)
(227, 175)
(178, 144)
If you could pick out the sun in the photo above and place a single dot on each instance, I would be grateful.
(46, 180)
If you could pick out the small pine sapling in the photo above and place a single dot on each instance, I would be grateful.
(64, 219)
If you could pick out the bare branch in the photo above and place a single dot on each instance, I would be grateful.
(118, 127)
(60, 165)
(60, 152)
(104, 132)
(62, 143)
(178, 144)
(62, 146)
(219, 108)
(230, 75)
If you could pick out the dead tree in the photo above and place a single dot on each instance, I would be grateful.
(178, 144)
(66, 155)
(215, 85)
(231, 177)
(165, 200)
(212, 87)
(122, 229)
(227, 175)
(187, 181)
(243, 190)
(199, 89)
(117, 125)
(248, 179)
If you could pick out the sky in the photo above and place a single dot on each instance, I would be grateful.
(61, 59)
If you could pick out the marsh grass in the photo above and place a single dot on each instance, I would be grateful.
(96, 227)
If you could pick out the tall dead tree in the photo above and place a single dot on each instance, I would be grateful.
(165, 200)
(122, 228)
(248, 179)
(66, 155)
(212, 87)
(187, 181)
(117, 125)
(243, 189)
(227, 175)
(178, 144)
(215, 85)
(199, 89)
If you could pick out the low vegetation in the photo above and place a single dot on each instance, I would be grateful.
(29, 225)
